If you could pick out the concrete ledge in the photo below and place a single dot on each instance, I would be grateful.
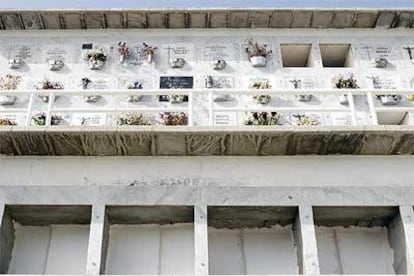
(200, 141)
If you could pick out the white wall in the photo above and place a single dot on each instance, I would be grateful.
(252, 251)
(56, 249)
(354, 250)
(195, 46)
(264, 171)
(151, 249)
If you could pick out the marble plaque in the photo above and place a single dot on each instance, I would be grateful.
(226, 51)
(57, 52)
(305, 82)
(88, 119)
(173, 82)
(384, 82)
(318, 117)
(181, 50)
(15, 117)
(28, 53)
(369, 52)
(222, 82)
(225, 118)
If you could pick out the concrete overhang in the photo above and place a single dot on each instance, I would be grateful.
(205, 18)
(200, 141)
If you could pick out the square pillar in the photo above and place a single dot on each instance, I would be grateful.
(98, 241)
(307, 245)
(200, 240)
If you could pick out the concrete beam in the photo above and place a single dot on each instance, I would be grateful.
(109, 141)
(281, 19)
(32, 21)
(343, 20)
(156, 20)
(218, 20)
(95, 20)
(177, 20)
(200, 241)
(307, 245)
(386, 20)
(322, 19)
(407, 217)
(6, 239)
(365, 19)
(98, 241)
(198, 20)
(239, 19)
(302, 19)
(72, 20)
(136, 20)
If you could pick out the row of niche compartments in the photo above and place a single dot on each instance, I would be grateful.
(242, 240)
(300, 55)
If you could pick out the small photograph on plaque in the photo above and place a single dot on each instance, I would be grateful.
(174, 82)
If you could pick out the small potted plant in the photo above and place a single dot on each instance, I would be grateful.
(40, 119)
(341, 82)
(133, 119)
(149, 52)
(96, 58)
(16, 63)
(257, 54)
(385, 99)
(264, 84)
(56, 64)
(89, 98)
(304, 120)
(263, 119)
(174, 119)
(218, 64)
(46, 84)
(9, 82)
(297, 84)
(7, 122)
(134, 98)
(123, 51)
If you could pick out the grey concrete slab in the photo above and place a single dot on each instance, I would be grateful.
(115, 20)
(386, 20)
(111, 141)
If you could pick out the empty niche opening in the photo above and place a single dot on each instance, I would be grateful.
(297, 55)
(360, 240)
(149, 240)
(336, 55)
(252, 240)
(394, 118)
(44, 239)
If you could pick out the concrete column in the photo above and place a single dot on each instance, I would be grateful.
(98, 241)
(6, 239)
(200, 240)
(407, 218)
(306, 239)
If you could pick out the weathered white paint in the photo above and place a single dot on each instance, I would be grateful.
(55, 249)
(354, 250)
(151, 249)
(242, 171)
(252, 251)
